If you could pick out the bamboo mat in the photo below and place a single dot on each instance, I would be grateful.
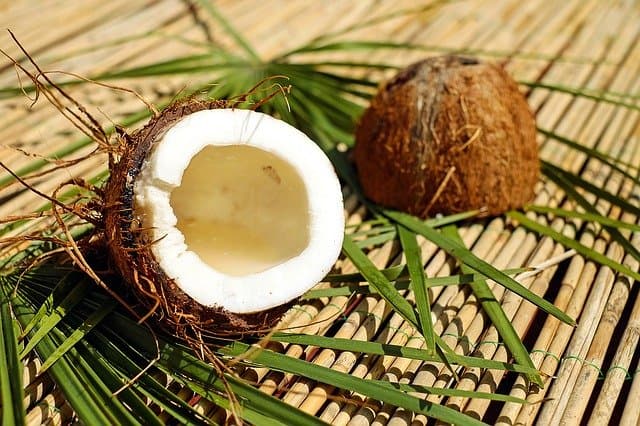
(592, 369)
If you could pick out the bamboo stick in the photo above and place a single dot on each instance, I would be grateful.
(45, 409)
(60, 417)
(616, 375)
(631, 413)
(591, 369)
(36, 390)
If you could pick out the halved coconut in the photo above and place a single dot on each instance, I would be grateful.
(228, 216)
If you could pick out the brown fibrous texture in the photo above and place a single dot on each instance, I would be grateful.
(130, 252)
(446, 135)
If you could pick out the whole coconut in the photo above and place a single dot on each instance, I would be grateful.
(446, 135)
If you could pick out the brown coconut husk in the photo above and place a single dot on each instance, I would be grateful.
(130, 250)
(446, 135)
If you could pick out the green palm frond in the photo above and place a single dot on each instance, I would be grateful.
(413, 255)
(12, 395)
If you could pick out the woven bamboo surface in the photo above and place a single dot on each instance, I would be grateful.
(592, 369)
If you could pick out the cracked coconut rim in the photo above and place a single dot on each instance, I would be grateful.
(245, 211)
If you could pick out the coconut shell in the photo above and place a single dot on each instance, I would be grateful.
(446, 135)
(130, 250)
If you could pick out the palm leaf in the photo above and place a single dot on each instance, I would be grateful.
(596, 95)
(379, 282)
(77, 335)
(589, 217)
(345, 381)
(81, 393)
(47, 318)
(497, 315)
(375, 348)
(592, 153)
(146, 384)
(229, 29)
(399, 282)
(466, 257)
(12, 394)
(563, 183)
(571, 243)
(418, 284)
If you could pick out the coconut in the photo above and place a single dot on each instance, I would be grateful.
(445, 135)
(222, 217)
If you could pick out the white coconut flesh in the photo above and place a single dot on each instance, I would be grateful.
(245, 211)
